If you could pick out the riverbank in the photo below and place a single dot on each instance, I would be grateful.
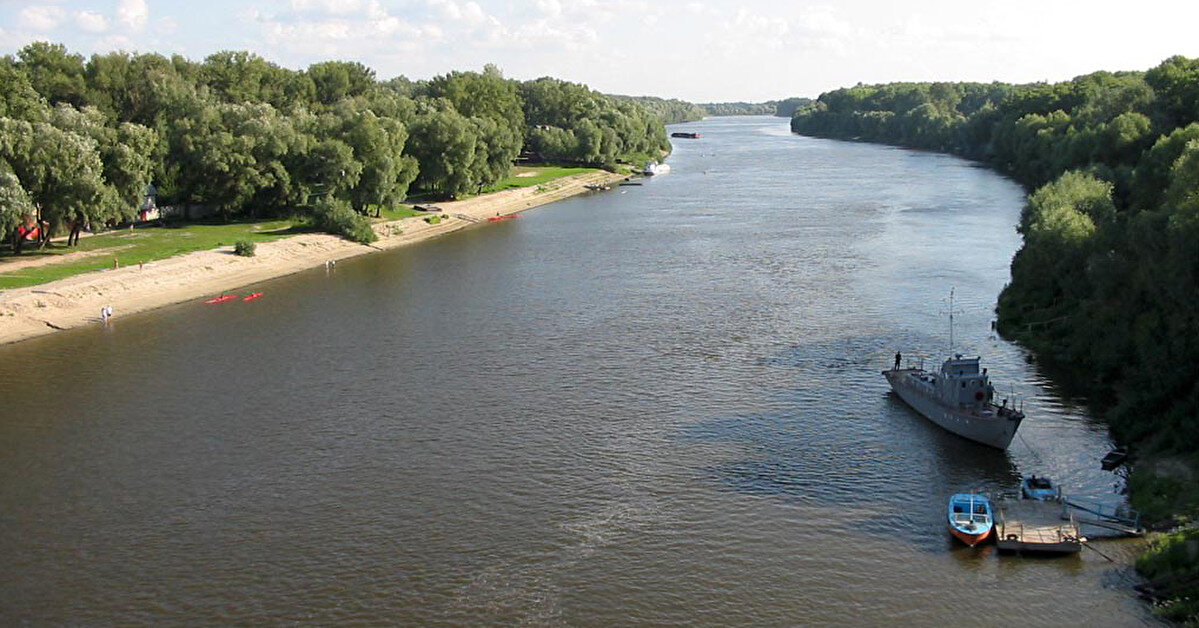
(76, 301)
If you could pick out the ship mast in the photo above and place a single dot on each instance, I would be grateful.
(952, 312)
(951, 321)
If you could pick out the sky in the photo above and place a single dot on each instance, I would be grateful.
(716, 51)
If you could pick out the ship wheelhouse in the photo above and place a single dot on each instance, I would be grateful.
(961, 384)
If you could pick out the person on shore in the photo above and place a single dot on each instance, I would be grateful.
(104, 315)
(898, 359)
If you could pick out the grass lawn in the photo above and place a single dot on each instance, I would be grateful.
(143, 244)
(398, 213)
(525, 176)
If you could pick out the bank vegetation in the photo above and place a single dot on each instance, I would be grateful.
(83, 139)
(1105, 289)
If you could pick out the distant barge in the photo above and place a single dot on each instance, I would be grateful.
(689, 136)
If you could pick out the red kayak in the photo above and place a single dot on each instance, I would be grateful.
(499, 218)
(256, 295)
(227, 297)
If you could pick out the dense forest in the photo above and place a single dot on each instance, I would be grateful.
(670, 111)
(1105, 288)
(787, 107)
(784, 108)
(673, 111)
(80, 139)
(738, 108)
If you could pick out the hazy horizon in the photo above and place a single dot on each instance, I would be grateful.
(740, 50)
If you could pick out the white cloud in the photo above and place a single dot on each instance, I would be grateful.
(42, 18)
(91, 21)
(550, 8)
(468, 13)
(133, 13)
(329, 7)
(473, 13)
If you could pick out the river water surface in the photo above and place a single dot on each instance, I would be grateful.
(656, 405)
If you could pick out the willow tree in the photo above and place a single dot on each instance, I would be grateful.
(61, 171)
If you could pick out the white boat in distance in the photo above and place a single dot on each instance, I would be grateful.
(652, 168)
(958, 397)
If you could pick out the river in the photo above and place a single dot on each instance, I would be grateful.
(656, 405)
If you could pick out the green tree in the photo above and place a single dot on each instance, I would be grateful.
(60, 170)
(18, 99)
(444, 142)
(15, 205)
(55, 73)
(335, 80)
(1176, 84)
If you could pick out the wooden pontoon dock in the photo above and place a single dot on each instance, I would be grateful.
(1034, 527)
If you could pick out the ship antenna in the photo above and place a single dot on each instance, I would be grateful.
(952, 311)
(951, 321)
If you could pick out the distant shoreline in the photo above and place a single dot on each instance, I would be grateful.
(76, 301)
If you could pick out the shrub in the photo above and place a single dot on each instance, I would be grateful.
(244, 248)
(337, 217)
(434, 219)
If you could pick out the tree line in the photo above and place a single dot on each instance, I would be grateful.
(673, 111)
(80, 139)
(669, 111)
(1106, 284)
(783, 108)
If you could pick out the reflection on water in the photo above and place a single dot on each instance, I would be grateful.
(650, 407)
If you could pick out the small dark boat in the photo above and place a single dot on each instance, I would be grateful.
(690, 136)
(1113, 459)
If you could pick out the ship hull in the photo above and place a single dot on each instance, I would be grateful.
(968, 538)
(994, 430)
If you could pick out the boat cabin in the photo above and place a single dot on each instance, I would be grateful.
(960, 383)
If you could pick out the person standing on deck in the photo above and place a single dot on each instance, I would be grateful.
(898, 358)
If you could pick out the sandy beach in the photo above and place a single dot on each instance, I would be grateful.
(75, 301)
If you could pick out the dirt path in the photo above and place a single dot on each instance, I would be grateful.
(12, 265)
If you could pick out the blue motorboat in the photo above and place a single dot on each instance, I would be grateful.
(971, 519)
(1040, 489)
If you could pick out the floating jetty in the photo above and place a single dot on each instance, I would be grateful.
(1026, 526)
(1121, 519)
